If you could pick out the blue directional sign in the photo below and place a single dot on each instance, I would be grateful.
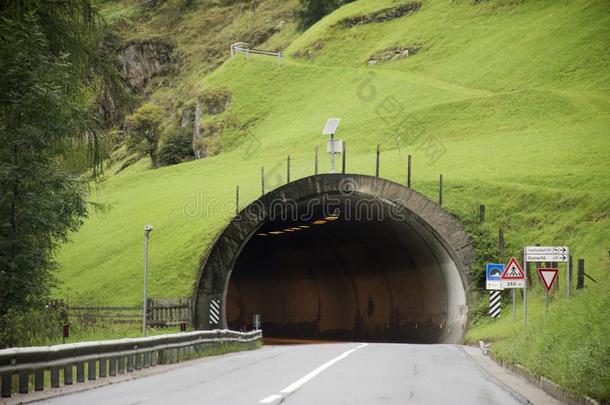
(493, 276)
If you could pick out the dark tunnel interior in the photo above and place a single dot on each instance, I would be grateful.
(348, 275)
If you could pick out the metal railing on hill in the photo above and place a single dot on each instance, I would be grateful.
(243, 47)
(107, 358)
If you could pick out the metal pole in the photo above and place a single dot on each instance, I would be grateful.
(236, 200)
(377, 162)
(262, 180)
(343, 158)
(316, 162)
(440, 190)
(332, 153)
(147, 230)
(569, 276)
(525, 292)
(288, 170)
(409, 171)
(514, 305)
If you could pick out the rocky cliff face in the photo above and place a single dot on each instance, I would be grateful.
(142, 60)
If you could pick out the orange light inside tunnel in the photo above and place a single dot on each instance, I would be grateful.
(276, 232)
(319, 222)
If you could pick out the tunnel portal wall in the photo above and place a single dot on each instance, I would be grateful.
(444, 235)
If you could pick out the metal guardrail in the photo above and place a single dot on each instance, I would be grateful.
(106, 358)
(243, 47)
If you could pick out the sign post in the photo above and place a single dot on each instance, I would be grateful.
(513, 277)
(549, 254)
(548, 277)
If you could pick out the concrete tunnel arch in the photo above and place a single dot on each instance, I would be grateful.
(392, 265)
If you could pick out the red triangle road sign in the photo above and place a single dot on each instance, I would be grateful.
(513, 271)
(548, 277)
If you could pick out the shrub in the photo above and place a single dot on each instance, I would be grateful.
(176, 147)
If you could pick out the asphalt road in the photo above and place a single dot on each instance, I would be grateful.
(344, 373)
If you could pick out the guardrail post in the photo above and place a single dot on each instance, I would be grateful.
(153, 359)
(121, 365)
(55, 377)
(68, 375)
(138, 361)
(6, 385)
(161, 357)
(112, 366)
(80, 372)
(130, 358)
(103, 368)
(146, 360)
(24, 382)
(39, 380)
(91, 371)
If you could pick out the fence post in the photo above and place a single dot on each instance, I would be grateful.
(316, 162)
(580, 283)
(236, 200)
(343, 157)
(288, 170)
(377, 161)
(409, 171)
(481, 213)
(80, 372)
(440, 190)
(39, 380)
(262, 180)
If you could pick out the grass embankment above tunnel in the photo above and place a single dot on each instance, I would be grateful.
(508, 100)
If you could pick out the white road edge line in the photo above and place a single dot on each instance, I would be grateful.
(297, 384)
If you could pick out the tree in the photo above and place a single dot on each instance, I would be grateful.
(40, 202)
(144, 129)
(51, 71)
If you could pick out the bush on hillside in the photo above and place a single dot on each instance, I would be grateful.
(176, 147)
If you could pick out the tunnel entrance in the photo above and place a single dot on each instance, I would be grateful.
(342, 258)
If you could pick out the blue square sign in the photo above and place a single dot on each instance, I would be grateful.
(493, 276)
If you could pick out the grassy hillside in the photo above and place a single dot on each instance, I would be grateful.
(513, 95)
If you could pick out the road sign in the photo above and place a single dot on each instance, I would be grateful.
(547, 250)
(547, 254)
(548, 276)
(513, 275)
(546, 258)
(493, 276)
(494, 303)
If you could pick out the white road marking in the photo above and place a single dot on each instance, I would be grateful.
(270, 399)
(301, 381)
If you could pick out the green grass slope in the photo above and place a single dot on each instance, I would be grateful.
(515, 94)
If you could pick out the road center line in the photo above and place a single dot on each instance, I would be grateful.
(301, 381)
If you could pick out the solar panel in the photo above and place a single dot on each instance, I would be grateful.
(331, 126)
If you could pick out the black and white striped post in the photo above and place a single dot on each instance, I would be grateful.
(494, 303)
(214, 312)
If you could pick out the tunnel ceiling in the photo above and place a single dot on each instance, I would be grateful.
(340, 257)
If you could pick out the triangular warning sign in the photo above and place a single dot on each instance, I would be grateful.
(513, 271)
(548, 277)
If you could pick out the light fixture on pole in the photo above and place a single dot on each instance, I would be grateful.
(147, 230)
(332, 146)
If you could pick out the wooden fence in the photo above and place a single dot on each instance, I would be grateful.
(161, 312)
